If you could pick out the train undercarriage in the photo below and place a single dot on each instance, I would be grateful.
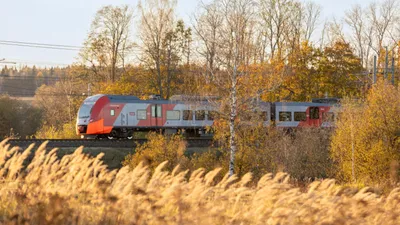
(131, 133)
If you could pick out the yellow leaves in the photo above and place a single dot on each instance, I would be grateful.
(364, 144)
(157, 149)
(51, 132)
(118, 88)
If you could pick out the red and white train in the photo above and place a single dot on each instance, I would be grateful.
(117, 116)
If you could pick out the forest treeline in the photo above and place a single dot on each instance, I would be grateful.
(24, 81)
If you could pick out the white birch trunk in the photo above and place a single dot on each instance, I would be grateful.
(232, 117)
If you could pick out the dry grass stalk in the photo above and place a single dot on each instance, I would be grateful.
(78, 189)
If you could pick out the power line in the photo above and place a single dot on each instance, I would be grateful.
(24, 61)
(37, 46)
(31, 78)
(47, 46)
(32, 91)
(45, 94)
(41, 44)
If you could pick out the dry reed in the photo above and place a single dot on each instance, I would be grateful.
(78, 189)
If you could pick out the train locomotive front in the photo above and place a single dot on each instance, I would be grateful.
(99, 115)
(85, 118)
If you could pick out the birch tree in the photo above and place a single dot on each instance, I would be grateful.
(226, 48)
(156, 23)
(207, 24)
(108, 42)
(382, 18)
(312, 13)
(361, 32)
(275, 15)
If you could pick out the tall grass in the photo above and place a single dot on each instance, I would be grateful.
(78, 189)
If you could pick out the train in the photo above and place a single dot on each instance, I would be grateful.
(120, 116)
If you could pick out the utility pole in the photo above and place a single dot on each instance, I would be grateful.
(386, 69)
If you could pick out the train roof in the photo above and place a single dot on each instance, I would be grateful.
(118, 98)
(134, 99)
(301, 104)
(182, 100)
(326, 100)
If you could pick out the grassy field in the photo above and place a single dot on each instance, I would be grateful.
(113, 157)
(79, 189)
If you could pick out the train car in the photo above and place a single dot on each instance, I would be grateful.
(304, 114)
(117, 116)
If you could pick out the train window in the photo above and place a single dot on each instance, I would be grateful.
(173, 115)
(187, 115)
(112, 112)
(328, 117)
(300, 116)
(200, 115)
(159, 111)
(84, 111)
(211, 115)
(156, 111)
(153, 111)
(285, 116)
(141, 114)
(314, 113)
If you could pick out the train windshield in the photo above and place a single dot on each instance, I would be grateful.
(84, 111)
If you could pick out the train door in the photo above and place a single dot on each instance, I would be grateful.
(124, 119)
(314, 117)
(156, 115)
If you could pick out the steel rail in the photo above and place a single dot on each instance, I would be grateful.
(105, 143)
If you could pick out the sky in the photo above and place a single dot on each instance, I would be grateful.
(67, 22)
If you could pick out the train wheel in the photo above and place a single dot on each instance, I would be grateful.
(113, 135)
(130, 135)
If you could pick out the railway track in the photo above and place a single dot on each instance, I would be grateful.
(74, 143)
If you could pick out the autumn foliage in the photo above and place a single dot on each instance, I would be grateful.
(366, 145)
(158, 149)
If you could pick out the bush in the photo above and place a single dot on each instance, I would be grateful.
(157, 149)
(51, 132)
(304, 153)
(365, 144)
(211, 159)
(17, 118)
